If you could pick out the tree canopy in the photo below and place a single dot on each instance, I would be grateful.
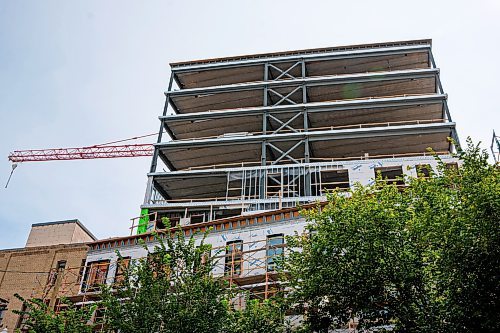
(38, 317)
(421, 258)
(170, 290)
(424, 257)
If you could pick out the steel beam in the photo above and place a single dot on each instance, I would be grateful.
(344, 54)
(313, 136)
(310, 107)
(310, 82)
(202, 173)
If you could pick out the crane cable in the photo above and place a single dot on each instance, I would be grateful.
(118, 141)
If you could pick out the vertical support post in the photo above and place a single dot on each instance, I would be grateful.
(265, 116)
(431, 59)
(149, 190)
(306, 150)
(304, 88)
(154, 161)
(263, 153)
(307, 171)
(160, 132)
(266, 78)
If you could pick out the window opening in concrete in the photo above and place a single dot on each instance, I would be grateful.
(274, 252)
(197, 218)
(81, 270)
(334, 179)
(61, 264)
(274, 185)
(95, 275)
(234, 186)
(451, 166)
(234, 258)
(392, 175)
(3, 310)
(121, 267)
(423, 170)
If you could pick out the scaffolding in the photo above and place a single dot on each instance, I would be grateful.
(251, 269)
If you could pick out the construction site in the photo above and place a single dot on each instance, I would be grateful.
(245, 142)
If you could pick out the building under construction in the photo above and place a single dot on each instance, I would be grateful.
(251, 137)
(261, 132)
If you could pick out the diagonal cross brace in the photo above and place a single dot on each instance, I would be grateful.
(285, 124)
(285, 72)
(284, 98)
(285, 154)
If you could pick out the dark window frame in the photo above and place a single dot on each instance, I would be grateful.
(122, 264)
(274, 250)
(95, 276)
(233, 263)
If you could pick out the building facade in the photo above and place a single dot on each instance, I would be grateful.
(44, 269)
(251, 137)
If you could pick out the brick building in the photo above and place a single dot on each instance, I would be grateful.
(35, 270)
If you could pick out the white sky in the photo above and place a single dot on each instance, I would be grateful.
(78, 73)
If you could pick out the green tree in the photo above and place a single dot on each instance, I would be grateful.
(171, 290)
(258, 316)
(459, 215)
(424, 258)
(38, 318)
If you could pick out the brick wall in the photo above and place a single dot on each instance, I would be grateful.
(26, 271)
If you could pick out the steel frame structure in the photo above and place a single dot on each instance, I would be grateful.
(285, 111)
(261, 188)
(308, 55)
(495, 147)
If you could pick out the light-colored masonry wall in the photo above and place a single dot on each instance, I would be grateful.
(14, 265)
(51, 234)
(363, 172)
(57, 233)
(254, 237)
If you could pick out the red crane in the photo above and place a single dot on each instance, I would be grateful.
(83, 153)
(105, 150)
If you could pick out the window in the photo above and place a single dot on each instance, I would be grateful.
(334, 179)
(121, 267)
(61, 264)
(80, 271)
(3, 310)
(95, 275)
(274, 252)
(233, 258)
(451, 166)
(423, 170)
(392, 175)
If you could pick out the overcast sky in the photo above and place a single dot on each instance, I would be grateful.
(78, 73)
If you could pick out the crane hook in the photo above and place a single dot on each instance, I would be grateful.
(14, 166)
